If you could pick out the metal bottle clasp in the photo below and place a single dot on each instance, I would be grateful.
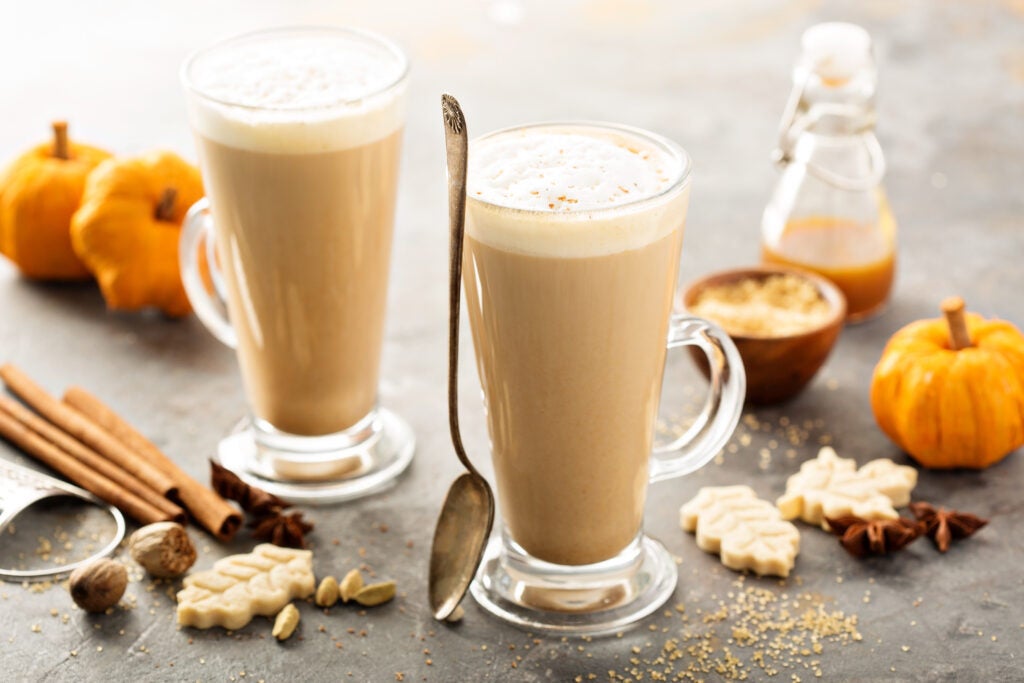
(794, 124)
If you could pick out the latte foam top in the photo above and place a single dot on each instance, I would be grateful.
(297, 91)
(574, 190)
(567, 171)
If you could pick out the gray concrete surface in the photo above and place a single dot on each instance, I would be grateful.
(712, 75)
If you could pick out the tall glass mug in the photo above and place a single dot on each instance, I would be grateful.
(299, 133)
(572, 250)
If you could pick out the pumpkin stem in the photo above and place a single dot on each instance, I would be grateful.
(60, 140)
(164, 210)
(953, 309)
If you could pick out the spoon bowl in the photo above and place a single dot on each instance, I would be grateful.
(459, 539)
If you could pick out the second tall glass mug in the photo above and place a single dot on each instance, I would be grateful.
(299, 133)
(573, 237)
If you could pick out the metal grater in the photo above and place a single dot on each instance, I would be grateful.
(20, 487)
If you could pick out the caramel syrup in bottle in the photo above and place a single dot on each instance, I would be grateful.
(828, 212)
(855, 256)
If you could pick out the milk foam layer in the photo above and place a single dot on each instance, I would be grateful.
(574, 191)
(297, 91)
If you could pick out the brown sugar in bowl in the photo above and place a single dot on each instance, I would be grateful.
(777, 366)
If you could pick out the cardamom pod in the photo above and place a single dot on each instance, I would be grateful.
(285, 623)
(376, 594)
(350, 585)
(456, 615)
(327, 593)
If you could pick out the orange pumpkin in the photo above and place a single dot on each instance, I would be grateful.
(127, 228)
(951, 392)
(39, 192)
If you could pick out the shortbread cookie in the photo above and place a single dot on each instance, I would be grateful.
(830, 486)
(746, 532)
(241, 586)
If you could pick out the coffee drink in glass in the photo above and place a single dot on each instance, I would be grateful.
(572, 249)
(299, 133)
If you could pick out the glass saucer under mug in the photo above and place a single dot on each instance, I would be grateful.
(286, 260)
(572, 247)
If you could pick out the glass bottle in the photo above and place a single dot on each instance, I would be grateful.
(829, 213)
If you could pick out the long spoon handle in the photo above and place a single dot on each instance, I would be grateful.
(457, 150)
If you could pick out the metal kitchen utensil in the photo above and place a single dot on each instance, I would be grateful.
(20, 487)
(467, 515)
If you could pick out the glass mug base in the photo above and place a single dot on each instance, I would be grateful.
(596, 599)
(361, 460)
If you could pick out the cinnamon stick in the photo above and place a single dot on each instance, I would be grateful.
(83, 429)
(88, 457)
(953, 309)
(212, 512)
(42, 450)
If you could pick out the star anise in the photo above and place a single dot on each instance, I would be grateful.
(265, 510)
(945, 526)
(863, 537)
(288, 531)
(253, 500)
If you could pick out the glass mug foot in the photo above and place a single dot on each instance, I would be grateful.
(364, 459)
(596, 599)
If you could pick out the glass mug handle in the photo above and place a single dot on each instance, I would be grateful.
(210, 307)
(721, 413)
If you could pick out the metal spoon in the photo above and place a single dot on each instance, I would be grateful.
(468, 512)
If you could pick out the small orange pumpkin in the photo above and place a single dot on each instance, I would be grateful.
(951, 392)
(39, 192)
(127, 229)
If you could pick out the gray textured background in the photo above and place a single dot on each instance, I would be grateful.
(711, 75)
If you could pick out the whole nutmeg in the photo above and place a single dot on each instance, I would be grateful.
(163, 549)
(98, 585)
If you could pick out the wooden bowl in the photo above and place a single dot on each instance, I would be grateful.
(779, 367)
